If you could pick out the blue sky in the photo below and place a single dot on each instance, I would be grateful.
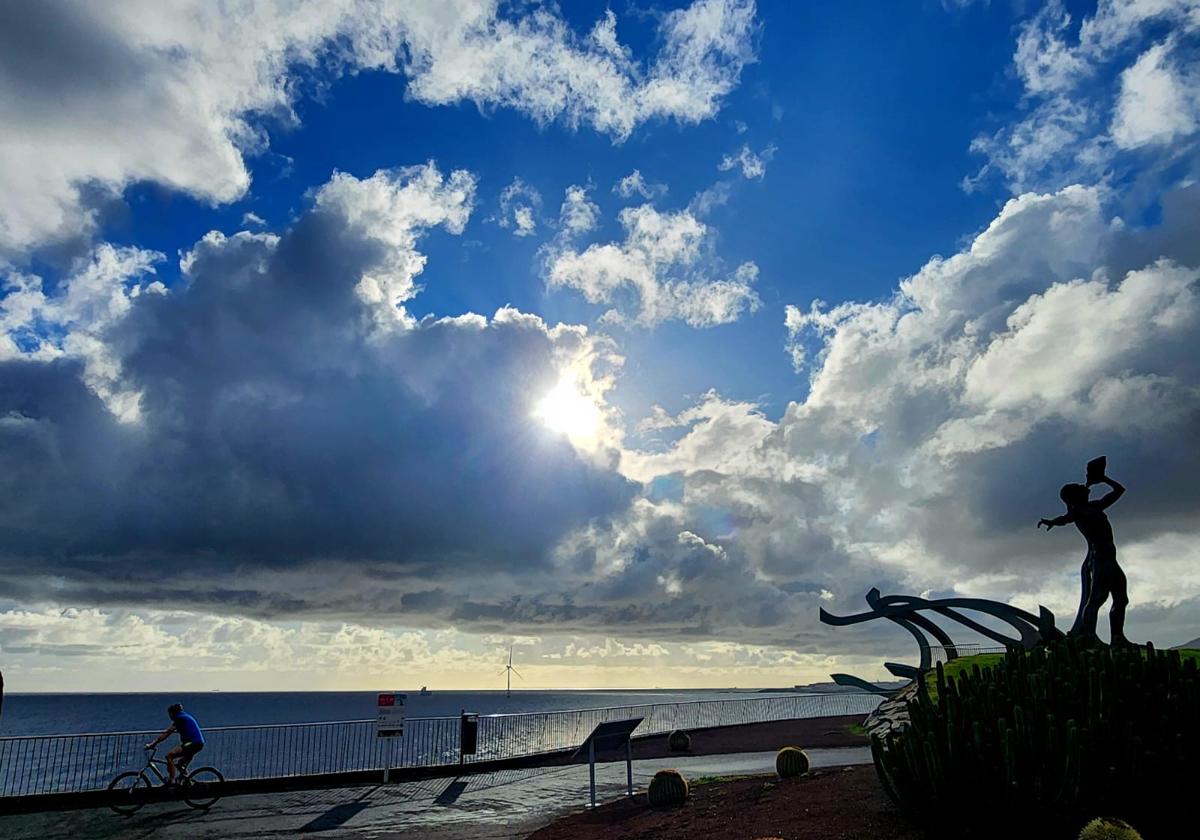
(873, 115)
(290, 298)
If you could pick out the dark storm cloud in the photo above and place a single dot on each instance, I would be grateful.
(281, 429)
(50, 50)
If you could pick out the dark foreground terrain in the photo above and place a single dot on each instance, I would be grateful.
(838, 804)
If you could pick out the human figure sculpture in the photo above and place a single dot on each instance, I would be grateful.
(1100, 575)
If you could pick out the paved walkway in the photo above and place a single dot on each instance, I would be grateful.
(489, 806)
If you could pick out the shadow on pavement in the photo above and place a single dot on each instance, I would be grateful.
(450, 795)
(335, 817)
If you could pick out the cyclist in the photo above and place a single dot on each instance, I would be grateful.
(191, 740)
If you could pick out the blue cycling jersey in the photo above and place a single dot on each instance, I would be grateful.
(188, 729)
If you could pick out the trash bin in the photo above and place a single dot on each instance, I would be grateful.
(468, 737)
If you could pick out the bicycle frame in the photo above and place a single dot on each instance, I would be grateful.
(152, 764)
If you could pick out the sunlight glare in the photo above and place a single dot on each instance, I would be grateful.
(566, 410)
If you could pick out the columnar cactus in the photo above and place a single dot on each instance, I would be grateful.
(668, 787)
(1053, 735)
(791, 762)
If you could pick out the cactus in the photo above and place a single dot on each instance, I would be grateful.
(1107, 828)
(791, 762)
(1054, 735)
(668, 787)
(679, 741)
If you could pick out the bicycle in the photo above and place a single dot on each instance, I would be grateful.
(127, 788)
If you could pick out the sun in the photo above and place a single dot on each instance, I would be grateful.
(567, 410)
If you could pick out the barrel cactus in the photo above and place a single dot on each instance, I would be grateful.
(668, 787)
(1107, 828)
(679, 741)
(791, 762)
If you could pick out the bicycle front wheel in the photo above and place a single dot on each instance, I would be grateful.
(127, 792)
(202, 787)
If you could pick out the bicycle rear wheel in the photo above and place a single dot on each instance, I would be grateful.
(127, 792)
(202, 787)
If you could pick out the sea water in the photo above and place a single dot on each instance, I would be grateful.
(52, 714)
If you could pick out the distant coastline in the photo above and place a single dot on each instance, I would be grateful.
(828, 688)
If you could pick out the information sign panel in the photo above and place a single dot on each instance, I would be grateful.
(389, 723)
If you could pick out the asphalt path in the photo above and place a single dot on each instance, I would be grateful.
(489, 806)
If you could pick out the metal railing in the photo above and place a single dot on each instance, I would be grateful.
(37, 764)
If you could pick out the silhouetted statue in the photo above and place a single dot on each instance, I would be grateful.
(1101, 576)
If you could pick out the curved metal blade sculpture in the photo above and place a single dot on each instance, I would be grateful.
(905, 610)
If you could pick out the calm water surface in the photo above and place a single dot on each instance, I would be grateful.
(46, 714)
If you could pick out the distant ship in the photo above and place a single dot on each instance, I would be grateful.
(425, 692)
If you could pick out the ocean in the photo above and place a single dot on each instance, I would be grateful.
(53, 714)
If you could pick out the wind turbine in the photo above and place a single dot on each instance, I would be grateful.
(510, 670)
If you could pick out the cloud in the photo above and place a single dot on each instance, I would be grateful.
(537, 65)
(1092, 97)
(1159, 102)
(328, 461)
(519, 207)
(634, 184)
(302, 446)
(253, 219)
(578, 214)
(169, 95)
(202, 83)
(937, 427)
(940, 422)
(390, 211)
(45, 647)
(70, 322)
(276, 436)
(752, 165)
(710, 198)
(659, 272)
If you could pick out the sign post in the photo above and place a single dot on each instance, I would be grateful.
(389, 720)
(608, 736)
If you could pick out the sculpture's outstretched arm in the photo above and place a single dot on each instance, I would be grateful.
(1065, 519)
(1117, 491)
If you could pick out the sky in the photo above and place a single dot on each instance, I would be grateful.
(345, 344)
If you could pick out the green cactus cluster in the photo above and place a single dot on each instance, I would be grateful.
(1054, 735)
(791, 762)
(668, 787)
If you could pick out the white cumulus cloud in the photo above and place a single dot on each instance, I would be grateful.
(659, 272)
(578, 214)
(393, 209)
(95, 97)
(1159, 101)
